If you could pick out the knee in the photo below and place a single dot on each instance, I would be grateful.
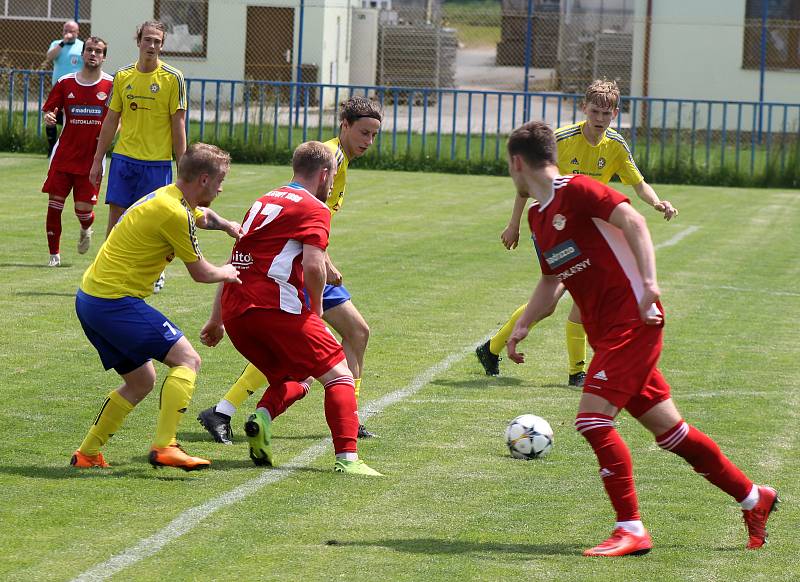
(193, 361)
(361, 333)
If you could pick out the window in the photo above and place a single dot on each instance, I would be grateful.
(187, 26)
(783, 35)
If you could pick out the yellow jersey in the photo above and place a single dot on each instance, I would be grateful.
(146, 102)
(154, 230)
(611, 156)
(336, 197)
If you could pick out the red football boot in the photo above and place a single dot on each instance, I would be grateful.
(756, 519)
(622, 543)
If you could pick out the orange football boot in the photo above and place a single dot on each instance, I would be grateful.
(85, 461)
(175, 456)
(622, 543)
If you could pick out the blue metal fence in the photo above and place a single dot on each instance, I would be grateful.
(741, 136)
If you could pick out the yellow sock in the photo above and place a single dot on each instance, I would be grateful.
(176, 392)
(358, 386)
(498, 341)
(111, 416)
(251, 380)
(576, 347)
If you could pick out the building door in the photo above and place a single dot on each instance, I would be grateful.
(269, 43)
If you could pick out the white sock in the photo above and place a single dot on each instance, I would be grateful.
(225, 407)
(347, 456)
(265, 411)
(635, 527)
(750, 501)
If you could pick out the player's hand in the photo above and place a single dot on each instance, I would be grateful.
(96, 173)
(667, 209)
(234, 230)
(333, 276)
(230, 274)
(510, 237)
(212, 333)
(50, 117)
(519, 334)
(69, 37)
(648, 310)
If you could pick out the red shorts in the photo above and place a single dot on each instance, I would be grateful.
(61, 183)
(285, 346)
(623, 370)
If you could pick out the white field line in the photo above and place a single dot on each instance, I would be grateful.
(678, 237)
(190, 518)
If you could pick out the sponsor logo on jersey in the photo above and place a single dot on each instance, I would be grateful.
(601, 375)
(129, 88)
(133, 106)
(561, 254)
(71, 95)
(601, 163)
(155, 88)
(86, 110)
(102, 95)
(567, 273)
(574, 161)
(241, 260)
(559, 222)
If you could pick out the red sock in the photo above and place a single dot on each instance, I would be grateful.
(703, 454)
(85, 218)
(278, 397)
(53, 225)
(616, 467)
(341, 412)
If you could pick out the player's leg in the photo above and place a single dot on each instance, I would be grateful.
(576, 348)
(342, 315)
(704, 455)
(55, 206)
(595, 422)
(85, 194)
(176, 394)
(217, 419)
(341, 414)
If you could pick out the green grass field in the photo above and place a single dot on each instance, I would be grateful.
(421, 255)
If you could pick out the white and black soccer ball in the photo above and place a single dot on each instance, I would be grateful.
(529, 437)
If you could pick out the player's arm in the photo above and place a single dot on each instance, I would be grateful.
(210, 220)
(213, 331)
(332, 274)
(53, 51)
(204, 272)
(314, 275)
(510, 236)
(542, 303)
(178, 125)
(107, 133)
(634, 227)
(646, 193)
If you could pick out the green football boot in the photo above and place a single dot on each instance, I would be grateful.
(358, 467)
(259, 434)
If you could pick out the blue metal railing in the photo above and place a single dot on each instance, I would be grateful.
(461, 124)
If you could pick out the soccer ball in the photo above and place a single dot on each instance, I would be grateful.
(529, 437)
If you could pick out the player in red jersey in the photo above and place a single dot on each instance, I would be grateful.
(82, 98)
(590, 240)
(267, 318)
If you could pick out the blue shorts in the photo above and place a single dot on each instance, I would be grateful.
(126, 332)
(332, 295)
(130, 179)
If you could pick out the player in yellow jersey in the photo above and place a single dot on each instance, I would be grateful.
(126, 331)
(590, 147)
(359, 122)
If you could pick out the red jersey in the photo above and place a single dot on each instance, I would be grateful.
(84, 107)
(269, 255)
(590, 256)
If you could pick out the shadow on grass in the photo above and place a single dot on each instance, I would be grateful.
(239, 438)
(116, 471)
(437, 546)
(478, 383)
(32, 266)
(46, 293)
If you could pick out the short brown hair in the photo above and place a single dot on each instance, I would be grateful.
(157, 24)
(96, 40)
(202, 158)
(353, 109)
(603, 93)
(535, 142)
(312, 156)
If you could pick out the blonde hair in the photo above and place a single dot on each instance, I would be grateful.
(312, 156)
(603, 93)
(202, 158)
